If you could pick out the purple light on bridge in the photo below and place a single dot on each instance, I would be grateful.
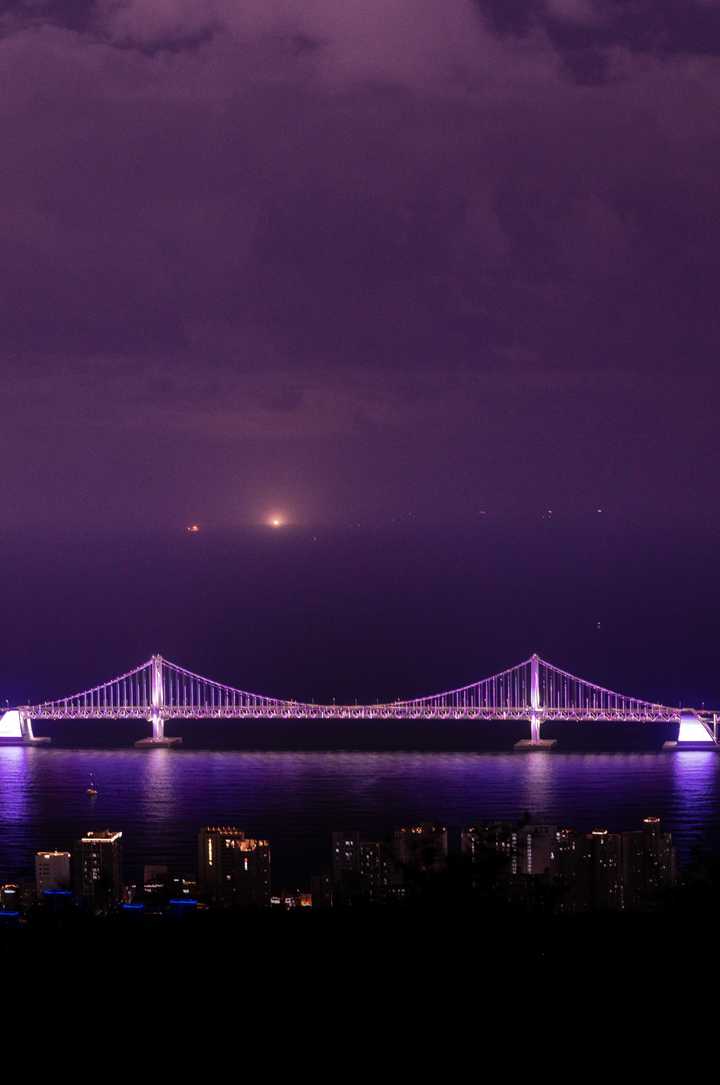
(533, 690)
(692, 729)
(10, 726)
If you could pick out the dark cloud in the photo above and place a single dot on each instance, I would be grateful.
(583, 30)
(71, 14)
(358, 255)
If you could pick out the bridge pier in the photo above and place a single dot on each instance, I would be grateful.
(159, 738)
(535, 742)
(158, 726)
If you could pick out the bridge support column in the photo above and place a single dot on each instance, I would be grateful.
(158, 726)
(26, 727)
(156, 718)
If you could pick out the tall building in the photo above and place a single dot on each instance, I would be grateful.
(422, 849)
(496, 836)
(535, 848)
(566, 851)
(10, 896)
(98, 863)
(52, 871)
(584, 872)
(233, 870)
(322, 890)
(363, 870)
(526, 848)
(345, 855)
(648, 865)
(491, 848)
(378, 872)
(161, 884)
(599, 872)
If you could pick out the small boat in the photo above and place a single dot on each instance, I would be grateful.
(91, 790)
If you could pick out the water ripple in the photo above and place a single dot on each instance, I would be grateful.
(160, 798)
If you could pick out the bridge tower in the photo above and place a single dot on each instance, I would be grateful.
(536, 713)
(157, 709)
(157, 697)
(535, 706)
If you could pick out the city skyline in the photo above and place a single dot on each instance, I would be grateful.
(414, 864)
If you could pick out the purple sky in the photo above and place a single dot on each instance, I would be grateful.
(393, 262)
(357, 261)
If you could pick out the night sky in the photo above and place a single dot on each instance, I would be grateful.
(435, 284)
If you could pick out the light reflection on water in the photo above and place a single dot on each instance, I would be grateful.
(160, 798)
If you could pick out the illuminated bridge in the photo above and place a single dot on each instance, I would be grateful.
(535, 691)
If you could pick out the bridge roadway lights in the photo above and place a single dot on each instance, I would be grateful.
(533, 690)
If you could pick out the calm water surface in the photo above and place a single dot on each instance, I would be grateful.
(160, 798)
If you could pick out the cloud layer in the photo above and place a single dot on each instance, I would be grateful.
(324, 251)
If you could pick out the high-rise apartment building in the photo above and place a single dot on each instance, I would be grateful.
(422, 849)
(362, 870)
(98, 868)
(52, 871)
(233, 870)
(648, 865)
(599, 873)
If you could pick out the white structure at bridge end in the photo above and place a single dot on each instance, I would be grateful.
(16, 729)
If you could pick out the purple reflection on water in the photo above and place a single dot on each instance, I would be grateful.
(159, 799)
(14, 789)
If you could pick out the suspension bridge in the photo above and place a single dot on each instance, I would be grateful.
(534, 691)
